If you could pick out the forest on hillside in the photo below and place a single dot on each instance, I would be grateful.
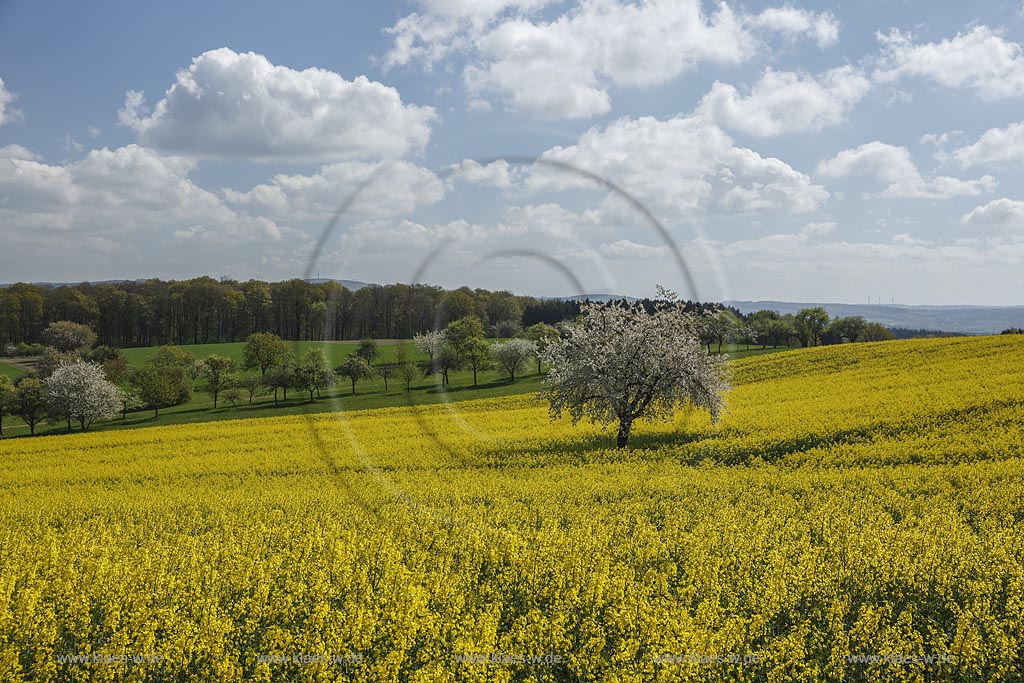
(206, 310)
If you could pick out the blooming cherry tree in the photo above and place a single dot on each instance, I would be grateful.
(80, 392)
(618, 363)
(443, 357)
(513, 355)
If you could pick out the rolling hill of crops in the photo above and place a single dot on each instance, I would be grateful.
(857, 515)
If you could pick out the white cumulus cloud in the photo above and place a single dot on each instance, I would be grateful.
(682, 164)
(497, 173)
(894, 166)
(795, 22)
(240, 106)
(981, 60)
(1001, 213)
(786, 102)
(997, 146)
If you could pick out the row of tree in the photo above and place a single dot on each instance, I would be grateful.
(76, 382)
(461, 345)
(808, 327)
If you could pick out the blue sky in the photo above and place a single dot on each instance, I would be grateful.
(796, 151)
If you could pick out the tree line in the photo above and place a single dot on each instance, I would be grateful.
(205, 310)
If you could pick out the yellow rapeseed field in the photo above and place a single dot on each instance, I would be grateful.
(858, 514)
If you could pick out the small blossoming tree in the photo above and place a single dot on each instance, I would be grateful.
(80, 392)
(513, 355)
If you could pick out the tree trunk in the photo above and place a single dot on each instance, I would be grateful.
(538, 366)
(69, 425)
(474, 377)
(353, 387)
(624, 428)
(385, 382)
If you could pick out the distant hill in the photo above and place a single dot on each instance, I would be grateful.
(591, 297)
(962, 319)
(347, 284)
(355, 284)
